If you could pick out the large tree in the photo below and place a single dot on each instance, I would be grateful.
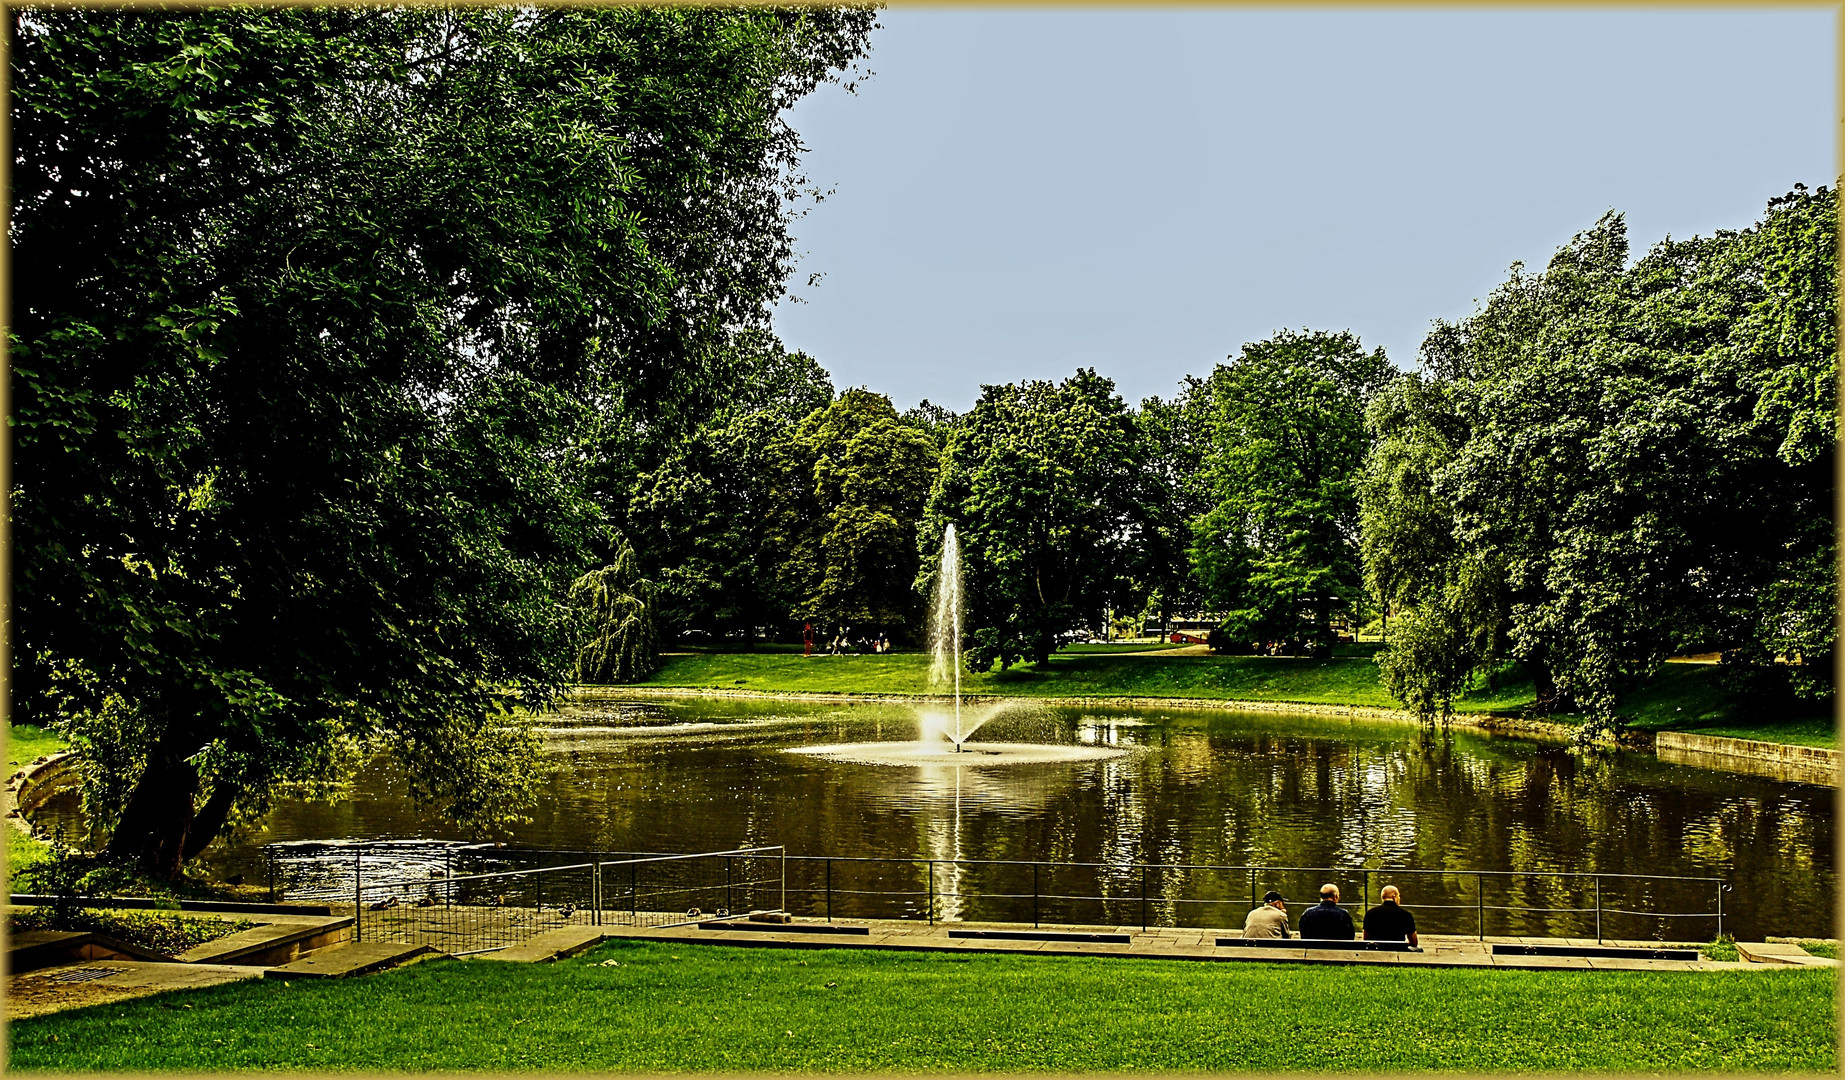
(1634, 459)
(700, 517)
(1277, 551)
(1039, 480)
(323, 306)
(849, 491)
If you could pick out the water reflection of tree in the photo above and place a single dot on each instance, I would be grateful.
(1201, 790)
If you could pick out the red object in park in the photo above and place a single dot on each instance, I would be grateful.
(807, 639)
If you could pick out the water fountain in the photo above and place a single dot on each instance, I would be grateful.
(945, 730)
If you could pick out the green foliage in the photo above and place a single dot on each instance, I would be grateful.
(618, 604)
(1277, 549)
(636, 1007)
(848, 492)
(72, 879)
(159, 931)
(1039, 480)
(329, 308)
(1611, 463)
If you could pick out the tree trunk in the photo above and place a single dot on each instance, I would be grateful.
(210, 819)
(152, 831)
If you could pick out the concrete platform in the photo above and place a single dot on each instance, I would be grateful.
(359, 958)
(1780, 953)
(550, 945)
(98, 982)
(30, 950)
(1167, 943)
(273, 942)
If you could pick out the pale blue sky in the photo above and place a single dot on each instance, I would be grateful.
(1020, 192)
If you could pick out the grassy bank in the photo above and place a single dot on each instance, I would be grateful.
(1681, 697)
(24, 745)
(657, 1008)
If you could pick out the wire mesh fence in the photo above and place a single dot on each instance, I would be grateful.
(439, 894)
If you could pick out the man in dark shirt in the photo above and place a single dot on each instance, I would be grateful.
(1388, 922)
(1327, 919)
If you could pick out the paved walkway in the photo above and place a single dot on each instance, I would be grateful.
(1167, 943)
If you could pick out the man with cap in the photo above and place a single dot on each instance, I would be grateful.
(1327, 920)
(1388, 922)
(1270, 920)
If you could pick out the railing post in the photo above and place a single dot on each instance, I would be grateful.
(1720, 888)
(595, 893)
(931, 892)
(1143, 898)
(538, 890)
(829, 888)
(1034, 894)
(1598, 909)
(1367, 890)
(634, 895)
(1252, 888)
(727, 901)
(784, 865)
(358, 896)
(1479, 896)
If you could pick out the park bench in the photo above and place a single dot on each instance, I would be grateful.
(1596, 952)
(1312, 943)
(1042, 935)
(783, 928)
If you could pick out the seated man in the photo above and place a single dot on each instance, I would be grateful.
(1327, 920)
(1270, 920)
(1389, 922)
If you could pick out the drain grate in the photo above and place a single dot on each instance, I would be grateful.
(76, 975)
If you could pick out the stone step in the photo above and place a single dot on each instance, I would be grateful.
(356, 958)
(550, 945)
(1775, 952)
(273, 943)
(30, 950)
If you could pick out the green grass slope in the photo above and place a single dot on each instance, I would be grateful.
(1680, 697)
(652, 1008)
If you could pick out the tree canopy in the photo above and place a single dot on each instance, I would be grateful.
(325, 306)
(1612, 463)
(1286, 436)
(849, 491)
(1038, 479)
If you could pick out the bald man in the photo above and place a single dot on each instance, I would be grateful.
(1389, 922)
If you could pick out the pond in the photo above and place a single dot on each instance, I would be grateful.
(1169, 787)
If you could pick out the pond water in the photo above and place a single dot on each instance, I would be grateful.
(1167, 787)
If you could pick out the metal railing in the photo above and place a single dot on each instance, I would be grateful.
(1558, 903)
(405, 899)
(472, 897)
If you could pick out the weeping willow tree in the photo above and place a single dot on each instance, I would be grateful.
(618, 604)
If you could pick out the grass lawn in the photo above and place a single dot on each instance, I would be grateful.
(25, 744)
(1342, 680)
(659, 1008)
(1681, 697)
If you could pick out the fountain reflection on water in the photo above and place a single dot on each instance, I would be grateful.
(945, 730)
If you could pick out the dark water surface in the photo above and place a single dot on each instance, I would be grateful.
(1193, 787)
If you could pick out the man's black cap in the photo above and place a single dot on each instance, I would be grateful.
(1273, 896)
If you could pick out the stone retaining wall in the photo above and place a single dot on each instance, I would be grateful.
(38, 782)
(1813, 764)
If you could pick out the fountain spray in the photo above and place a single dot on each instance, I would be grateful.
(947, 620)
